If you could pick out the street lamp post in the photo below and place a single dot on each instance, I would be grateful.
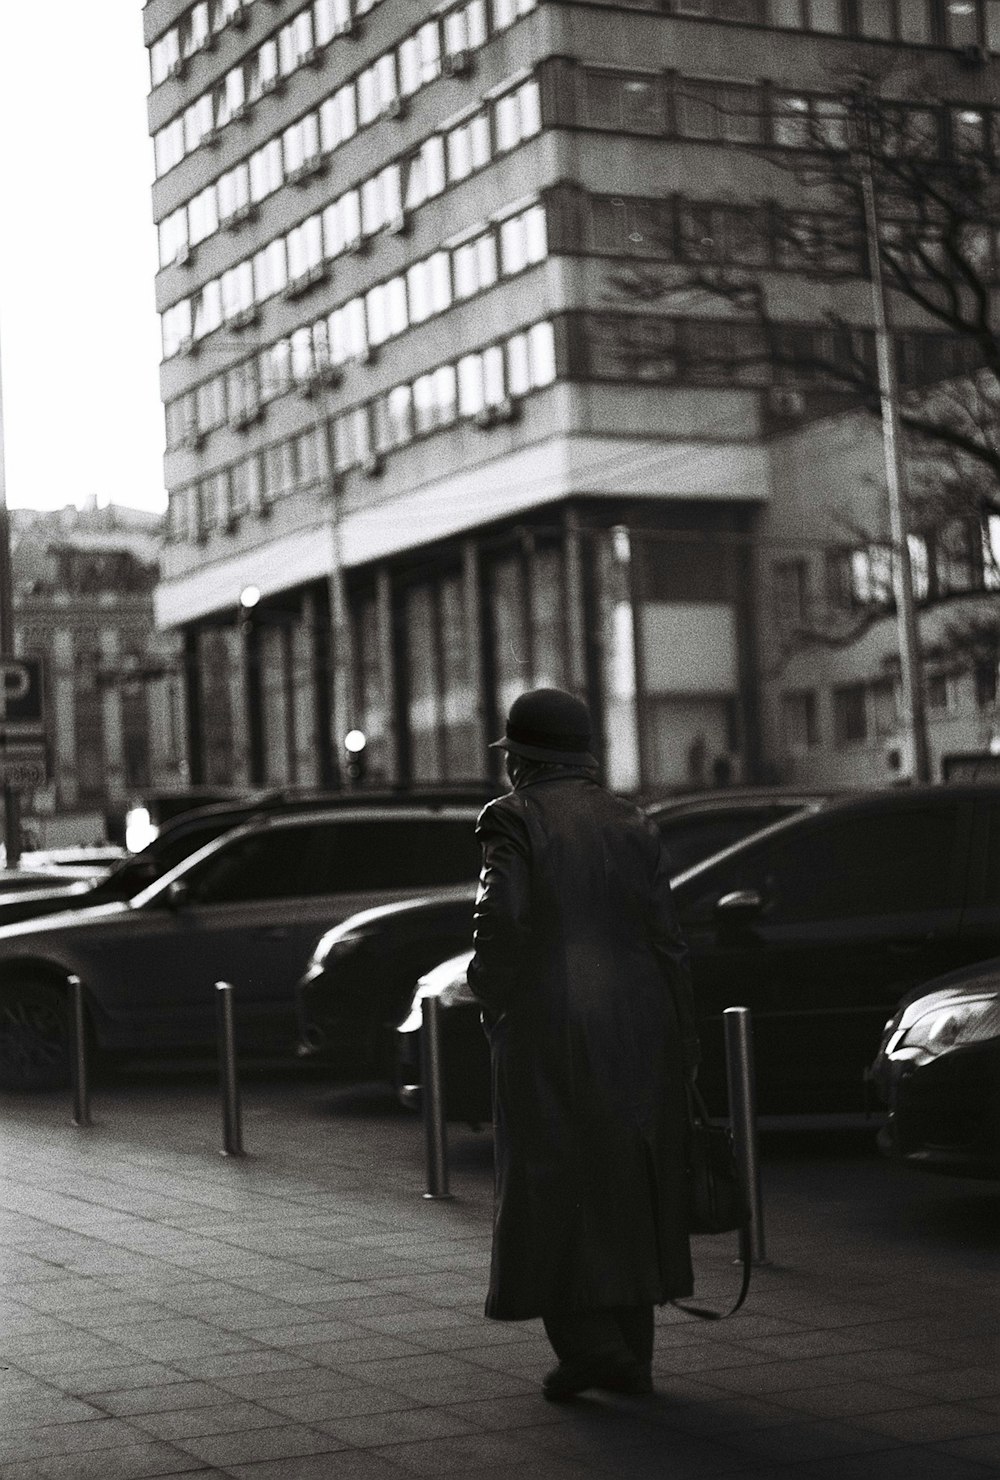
(250, 655)
(342, 675)
(914, 709)
(11, 799)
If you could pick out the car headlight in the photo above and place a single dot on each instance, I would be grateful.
(954, 1025)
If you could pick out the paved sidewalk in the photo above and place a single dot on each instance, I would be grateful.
(303, 1314)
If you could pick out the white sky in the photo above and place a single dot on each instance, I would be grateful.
(79, 336)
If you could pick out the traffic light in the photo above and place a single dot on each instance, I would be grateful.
(356, 761)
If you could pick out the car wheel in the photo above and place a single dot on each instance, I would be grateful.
(34, 1036)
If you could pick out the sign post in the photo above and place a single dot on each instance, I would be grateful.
(11, 800)
(23, 751)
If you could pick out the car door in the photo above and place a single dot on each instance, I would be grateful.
(981, 918)
(840, 914)
(251, 912)
(256, 906)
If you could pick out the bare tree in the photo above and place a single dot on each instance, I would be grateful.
(938, 190)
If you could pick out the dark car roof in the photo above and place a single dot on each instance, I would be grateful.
(291, 802)
(731, 798)
(870, 802)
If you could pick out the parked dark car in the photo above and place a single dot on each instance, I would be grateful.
(360, 979)
(178, 838)
(819, 925)
(938, 1070)
(246, 908)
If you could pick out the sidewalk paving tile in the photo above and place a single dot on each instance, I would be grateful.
(131, 1462)
(304, 1314)
(278, 1442)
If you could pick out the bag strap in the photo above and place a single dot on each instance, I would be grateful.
(699, 1112)
(701, 1311)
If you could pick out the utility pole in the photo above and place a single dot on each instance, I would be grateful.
(911, 671)
(342, 687)
(11, 799)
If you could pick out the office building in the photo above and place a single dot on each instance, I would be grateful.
(428, 440)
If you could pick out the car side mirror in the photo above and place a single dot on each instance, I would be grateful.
(739, 906)
(178, 894)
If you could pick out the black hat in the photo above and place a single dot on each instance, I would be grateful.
(548, 725)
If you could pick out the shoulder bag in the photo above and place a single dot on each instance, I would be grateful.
(717, 1198)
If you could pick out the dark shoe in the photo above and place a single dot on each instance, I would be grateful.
(612, 1373)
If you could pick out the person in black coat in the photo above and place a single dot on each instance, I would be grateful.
(583, 978)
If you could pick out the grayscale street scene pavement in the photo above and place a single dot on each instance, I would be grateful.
(304, 1313)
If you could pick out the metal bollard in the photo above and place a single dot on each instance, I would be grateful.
(743, 1117)
(78, 1057)
(433, 1096)
(232, 1126)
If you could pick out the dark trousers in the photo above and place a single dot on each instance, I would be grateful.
(624, 1330)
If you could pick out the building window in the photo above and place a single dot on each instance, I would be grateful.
(940, 690)
(799, 721)
(626, 101)
(883, 706)
(791, 594)
(804, 121)
(961, 23)
(808, 15)
(850, 723)
(716, 111)
(985, 679)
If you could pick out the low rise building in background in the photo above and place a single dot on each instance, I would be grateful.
(83, 602)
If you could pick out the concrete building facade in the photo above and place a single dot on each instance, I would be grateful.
(417, 402)
(83, 602)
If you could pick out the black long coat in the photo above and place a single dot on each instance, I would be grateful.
(584, 980)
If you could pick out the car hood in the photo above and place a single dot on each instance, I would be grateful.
(14, 937)
(976, 981)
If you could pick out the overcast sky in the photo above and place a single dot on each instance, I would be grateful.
(79, 337)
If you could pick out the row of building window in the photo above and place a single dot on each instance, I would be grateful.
(662, 350)
(870, 713)
(957, 23)
(756, 113)
(766, 236)
(377, 91)
(384, 199)
(613, 347)
(486, 386)
(742, 113)
(427, 287)
(961, 556)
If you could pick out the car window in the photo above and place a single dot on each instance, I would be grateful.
(284, 864)
(885, 864)
(690, 839)
(171, 851)
(319, 858)
(401, 853)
